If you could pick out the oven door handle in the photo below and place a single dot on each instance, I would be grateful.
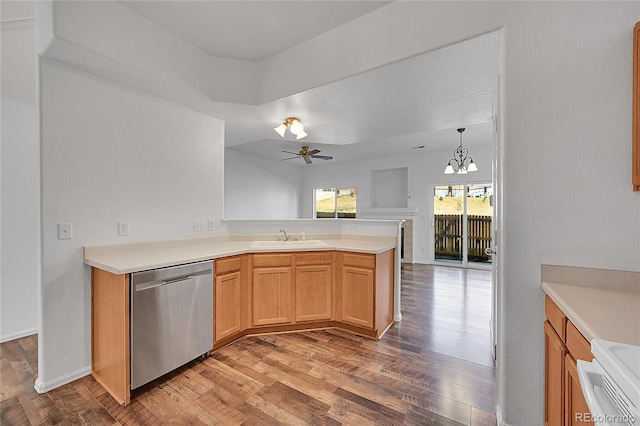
(603, 410)
(590, 377)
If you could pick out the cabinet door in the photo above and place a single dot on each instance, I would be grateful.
(313, 292)
(357, 290)
(635, 143)
(228, 305)
(554, 377)
(272, 295)
(575, 404)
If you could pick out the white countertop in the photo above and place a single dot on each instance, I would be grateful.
(127, 258)
(601, 304)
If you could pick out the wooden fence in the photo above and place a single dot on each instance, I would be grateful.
(448, 236)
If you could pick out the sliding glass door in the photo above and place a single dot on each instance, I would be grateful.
(448, 212)
(462, 217)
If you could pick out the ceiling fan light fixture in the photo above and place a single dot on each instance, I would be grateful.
(281, 129)
(295, 127)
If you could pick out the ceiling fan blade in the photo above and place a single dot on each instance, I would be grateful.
(323, 157)
(289, 152)
(315, 151)
(290, 158)
(307, 159)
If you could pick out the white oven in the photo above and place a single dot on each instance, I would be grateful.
(611, 384)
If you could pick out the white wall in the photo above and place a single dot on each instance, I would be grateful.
(424, 171)
(568, 96)
(111, 154)
(20, 242)
(258, 188)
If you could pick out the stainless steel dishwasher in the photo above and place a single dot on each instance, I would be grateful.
(171, 319)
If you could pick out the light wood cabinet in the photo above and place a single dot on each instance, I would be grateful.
(564, 344)
(313, 288)
(357, 296)
(110, 333)
(272, 287)
(574, 402)
(555, 352)
(255, 293)
(635, 147)
(228, 297)
(365, 290)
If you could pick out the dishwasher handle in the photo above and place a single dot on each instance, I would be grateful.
(154, 284)
(149, 286)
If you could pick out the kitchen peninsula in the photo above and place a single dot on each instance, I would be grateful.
(261, 285)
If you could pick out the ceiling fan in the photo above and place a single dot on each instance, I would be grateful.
(307, 155)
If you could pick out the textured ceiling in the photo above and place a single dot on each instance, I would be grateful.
(381, 112)
(250, 30)
(393, 107)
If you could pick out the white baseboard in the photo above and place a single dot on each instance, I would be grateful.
(18, 334)
(42, 387)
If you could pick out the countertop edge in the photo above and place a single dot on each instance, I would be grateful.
(216, 253)
(591, 313)
(571, 315)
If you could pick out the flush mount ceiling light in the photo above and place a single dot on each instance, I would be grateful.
(460, 155)
(295, 126)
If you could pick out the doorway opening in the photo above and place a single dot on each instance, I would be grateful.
(462, 224)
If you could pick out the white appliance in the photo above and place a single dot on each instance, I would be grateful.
(611, 384)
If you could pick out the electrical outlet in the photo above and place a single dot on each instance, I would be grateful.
(353, 226)
(65, 231)
(123, 229)
(211, 226)
(198, 225)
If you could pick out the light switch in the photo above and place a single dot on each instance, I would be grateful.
(65, 231)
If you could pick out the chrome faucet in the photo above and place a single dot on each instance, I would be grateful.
(286, 237)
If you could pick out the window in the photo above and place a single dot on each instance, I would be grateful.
(335, 203)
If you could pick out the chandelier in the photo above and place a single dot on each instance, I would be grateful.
(460, 155)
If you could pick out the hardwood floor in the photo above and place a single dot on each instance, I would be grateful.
(433, 368)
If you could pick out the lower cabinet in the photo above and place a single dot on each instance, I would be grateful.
(365, 290)
(357, 296)
(255, 293)
(272, 295)
(228, 297)
(564, 401)
(272, 286)
(575, 404)
(313, 292)
(555, 352)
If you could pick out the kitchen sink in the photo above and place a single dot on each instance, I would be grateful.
(288, 244)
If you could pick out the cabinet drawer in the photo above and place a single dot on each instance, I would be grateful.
(556, 317)
(260, 260)
(577, 344)
(227, 264)
(314, 258)
(359, 260)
